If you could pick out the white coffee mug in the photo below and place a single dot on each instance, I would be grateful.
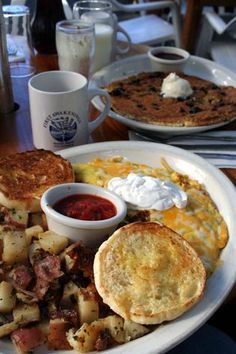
(59, 107)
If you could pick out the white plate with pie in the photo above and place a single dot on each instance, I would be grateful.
(196, 66)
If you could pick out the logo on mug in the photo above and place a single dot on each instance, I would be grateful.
(62, 125)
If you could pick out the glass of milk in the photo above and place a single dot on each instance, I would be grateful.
(75, 42)
(100, 13)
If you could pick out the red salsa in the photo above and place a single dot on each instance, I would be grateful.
(86, 207)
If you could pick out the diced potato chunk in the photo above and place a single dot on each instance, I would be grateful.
(52, 242)
(70, 292)
(134, 330)
(69, 262)
(18, 216)
(33, 231)
(7, 328)
(84, 339)
(88, 308)
(115, 325)
(26, 313)
(7, 297)
(51, 306)
(15, 247)
(27, 297)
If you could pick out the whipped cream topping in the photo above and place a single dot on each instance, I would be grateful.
(145, 192)
(174, 86)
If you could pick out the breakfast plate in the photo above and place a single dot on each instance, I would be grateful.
(222, 192)
(196, 66)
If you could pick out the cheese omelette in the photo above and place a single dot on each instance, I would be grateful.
(200, 223)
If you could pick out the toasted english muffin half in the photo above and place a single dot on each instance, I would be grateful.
(147, 273)
(25, 176)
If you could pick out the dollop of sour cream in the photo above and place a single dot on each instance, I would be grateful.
(145, 192)
(174, 86)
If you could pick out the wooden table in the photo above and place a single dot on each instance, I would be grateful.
(192, 20)
(15, 128)
(16, 135)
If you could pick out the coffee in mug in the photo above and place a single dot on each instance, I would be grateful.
(59, 108)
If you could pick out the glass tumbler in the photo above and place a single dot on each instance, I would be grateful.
(100, 13)
(75, 42)
(19, 44)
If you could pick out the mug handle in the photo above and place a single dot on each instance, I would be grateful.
(118, 28)
(124, 50)
(100, 118)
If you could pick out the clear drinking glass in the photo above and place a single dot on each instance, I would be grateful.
(75, 42)
(19, 43)
(100, 13)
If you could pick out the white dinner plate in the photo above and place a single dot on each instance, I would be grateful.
(223, 193)
(196, 66)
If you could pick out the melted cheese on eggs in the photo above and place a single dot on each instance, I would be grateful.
(200, 223)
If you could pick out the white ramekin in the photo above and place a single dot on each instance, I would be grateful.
(167, 65)
(91, 233)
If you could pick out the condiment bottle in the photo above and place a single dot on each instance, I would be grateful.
(6, 93)
(43, 25)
